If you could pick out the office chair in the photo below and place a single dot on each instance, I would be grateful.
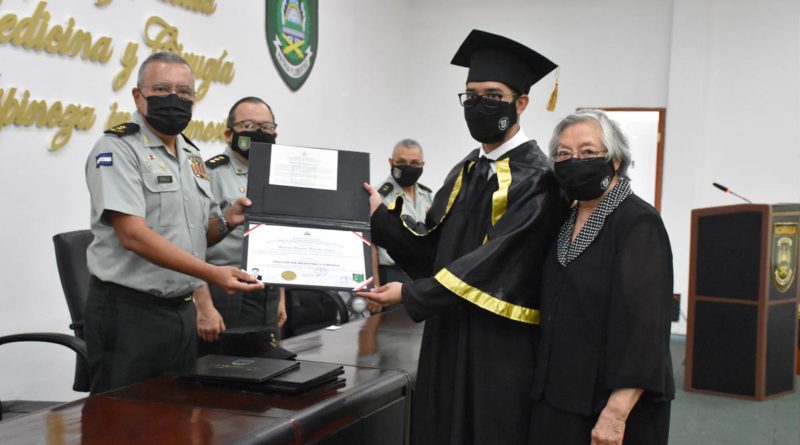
(74, 273)
(70, 250)
(311, 309)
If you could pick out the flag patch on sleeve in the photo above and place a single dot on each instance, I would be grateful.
(104, 160)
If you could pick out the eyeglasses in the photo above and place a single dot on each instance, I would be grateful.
(248, 125)
(165, 89)
(412, 163)
(491, 101)
(563, 154)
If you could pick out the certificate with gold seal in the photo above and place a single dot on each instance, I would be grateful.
(307, 256)
(309, 222)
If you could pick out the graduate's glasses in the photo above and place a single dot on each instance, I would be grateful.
(583, 153)
(248, 125)
(491, 101)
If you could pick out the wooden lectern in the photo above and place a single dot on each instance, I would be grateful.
(743, 295)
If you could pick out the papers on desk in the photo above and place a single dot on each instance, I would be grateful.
(265, 375)
(227, 368)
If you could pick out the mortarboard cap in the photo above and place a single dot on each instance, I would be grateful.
(495, 58)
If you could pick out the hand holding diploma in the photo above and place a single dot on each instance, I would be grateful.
(374, 198)
(386, 295)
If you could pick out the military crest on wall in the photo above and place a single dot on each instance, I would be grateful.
(291, 27)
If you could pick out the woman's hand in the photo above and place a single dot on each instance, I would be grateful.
(609, 429)
(610, 426)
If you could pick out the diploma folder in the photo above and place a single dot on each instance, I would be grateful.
(237, 370)
(313, 197)
(306, 377)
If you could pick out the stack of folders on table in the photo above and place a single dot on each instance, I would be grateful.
(265, 374)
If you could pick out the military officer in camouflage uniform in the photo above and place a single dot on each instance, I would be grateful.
(405, 168)
(249, 120)
(152, 215)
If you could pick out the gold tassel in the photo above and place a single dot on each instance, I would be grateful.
(551, 104)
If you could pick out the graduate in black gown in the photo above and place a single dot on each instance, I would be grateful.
(603, 369)
(476, 269)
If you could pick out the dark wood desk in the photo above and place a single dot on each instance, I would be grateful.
(379, 355)
(388, 340)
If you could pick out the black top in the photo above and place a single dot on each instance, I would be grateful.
(474, 375)
(606, 315)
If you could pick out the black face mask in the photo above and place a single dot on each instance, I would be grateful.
(168, 114)
(240, 142)
(584, 179)
(406, 175)
(490, 125)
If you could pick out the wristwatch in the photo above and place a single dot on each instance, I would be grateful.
(223, 225)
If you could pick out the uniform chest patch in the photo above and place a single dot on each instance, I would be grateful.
(198, 167)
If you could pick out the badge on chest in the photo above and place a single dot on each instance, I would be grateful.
(198, 167)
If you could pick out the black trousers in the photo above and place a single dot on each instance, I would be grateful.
(258, 308)
(133, 336)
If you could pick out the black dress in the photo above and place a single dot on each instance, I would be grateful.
(606, 326)
(481, 307)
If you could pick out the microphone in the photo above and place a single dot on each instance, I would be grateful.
(727, 190)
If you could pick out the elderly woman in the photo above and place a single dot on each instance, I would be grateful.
(603, 369)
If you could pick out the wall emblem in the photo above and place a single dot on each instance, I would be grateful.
(291, 27)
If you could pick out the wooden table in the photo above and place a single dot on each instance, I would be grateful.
(379, 355)
(389, 340)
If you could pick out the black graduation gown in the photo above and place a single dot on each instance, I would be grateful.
(607, 326)
(486, 243)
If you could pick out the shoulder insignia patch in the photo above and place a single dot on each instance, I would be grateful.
(385, 189)
(189, 141)
(123, 129)
(217, 161)
(423, 187)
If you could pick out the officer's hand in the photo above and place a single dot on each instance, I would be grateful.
(282, 317)
(374, 198)
(388, 294)
(209, 323)
(234, 280)
(235, 213)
